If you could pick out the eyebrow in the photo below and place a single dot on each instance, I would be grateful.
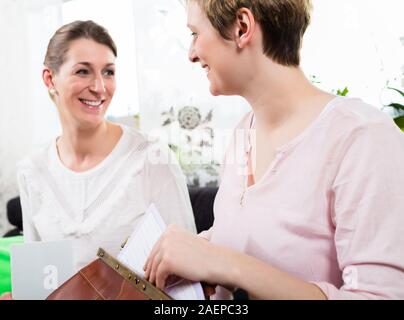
(88, 64)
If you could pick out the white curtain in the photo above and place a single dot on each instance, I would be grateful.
(27, 117)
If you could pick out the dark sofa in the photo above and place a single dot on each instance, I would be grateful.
(14, 216)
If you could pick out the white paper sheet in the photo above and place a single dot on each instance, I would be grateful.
(139, 246)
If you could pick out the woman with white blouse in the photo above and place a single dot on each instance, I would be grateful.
(93, 183)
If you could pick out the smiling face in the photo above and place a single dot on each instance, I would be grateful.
(219, 57)
(85, 83)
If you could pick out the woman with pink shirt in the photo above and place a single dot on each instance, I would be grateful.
(315, 210)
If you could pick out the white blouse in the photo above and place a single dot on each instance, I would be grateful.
(100, 207)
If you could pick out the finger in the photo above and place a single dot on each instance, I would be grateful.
(161, 276)
(149, 268)
(146, 272)
(150, 258)
(154, 267)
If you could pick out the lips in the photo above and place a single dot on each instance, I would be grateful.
(92, 104)
(206, 67)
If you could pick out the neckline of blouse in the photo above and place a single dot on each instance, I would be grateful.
(328, 107)
(280, 152)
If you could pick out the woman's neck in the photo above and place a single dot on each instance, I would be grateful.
(81, 149)
(279, 94)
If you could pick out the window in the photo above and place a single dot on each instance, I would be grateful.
(356, 43)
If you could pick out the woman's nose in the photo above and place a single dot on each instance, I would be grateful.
(193, 57)
(98, 85)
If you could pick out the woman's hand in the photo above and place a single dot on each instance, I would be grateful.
(181, 253)
(6, 296)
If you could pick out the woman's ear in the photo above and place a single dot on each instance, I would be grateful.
(47, 76)
(245, 27)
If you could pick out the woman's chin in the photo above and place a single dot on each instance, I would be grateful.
(214, 91)
(90, 122)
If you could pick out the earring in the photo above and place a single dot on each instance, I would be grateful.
(52, 91)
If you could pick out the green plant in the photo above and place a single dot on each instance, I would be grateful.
(339, 92)
(343, 92)
(398, 116)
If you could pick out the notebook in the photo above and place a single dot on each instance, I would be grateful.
(139, 246)
(39, 268)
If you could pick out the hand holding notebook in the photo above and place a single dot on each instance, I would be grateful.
(139, 246)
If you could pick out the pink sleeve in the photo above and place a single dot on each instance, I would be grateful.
(369, 215)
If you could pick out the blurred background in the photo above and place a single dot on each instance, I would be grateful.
(353, 47)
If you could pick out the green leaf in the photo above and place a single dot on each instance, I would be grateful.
(396, 106)
(400, 122)
(343, 92)
(400, 92)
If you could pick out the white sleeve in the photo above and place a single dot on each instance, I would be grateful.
(167, 188)
(29, 231)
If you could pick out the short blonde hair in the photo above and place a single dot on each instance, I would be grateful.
(283, 23)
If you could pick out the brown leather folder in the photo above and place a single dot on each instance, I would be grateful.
(107, 279)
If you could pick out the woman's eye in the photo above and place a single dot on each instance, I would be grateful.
(82, 71)
(193, 34)
(109, 72)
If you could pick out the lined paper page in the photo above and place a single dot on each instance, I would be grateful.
(139, 246)
(142, 240)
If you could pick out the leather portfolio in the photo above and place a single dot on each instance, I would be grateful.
(107, 279)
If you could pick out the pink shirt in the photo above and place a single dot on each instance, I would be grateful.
(330, 208)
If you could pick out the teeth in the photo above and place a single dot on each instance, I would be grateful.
(92, 103)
